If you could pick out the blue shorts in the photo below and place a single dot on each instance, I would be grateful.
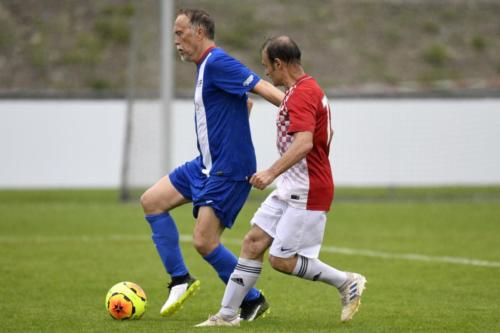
(225, 196)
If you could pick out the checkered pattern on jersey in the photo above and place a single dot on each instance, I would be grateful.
(283, 123)
(297, 173)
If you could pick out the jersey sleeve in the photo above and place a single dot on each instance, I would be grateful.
(302, 108)
(232, 76)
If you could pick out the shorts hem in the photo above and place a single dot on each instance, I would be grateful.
(217, 211)
(177, 187)
(263, 228)
(283, 256)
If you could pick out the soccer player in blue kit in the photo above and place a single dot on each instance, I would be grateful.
(216, 182)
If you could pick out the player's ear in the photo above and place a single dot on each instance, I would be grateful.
(199, 32)
(277, 63)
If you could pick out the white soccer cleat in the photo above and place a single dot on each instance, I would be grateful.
(178, 295)
(217, 320)
(350, 294)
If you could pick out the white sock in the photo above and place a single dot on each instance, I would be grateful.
(316, 270)
(243, 279)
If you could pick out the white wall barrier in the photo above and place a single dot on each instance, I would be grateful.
(377, 142)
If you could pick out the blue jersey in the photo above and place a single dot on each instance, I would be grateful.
(221, 116)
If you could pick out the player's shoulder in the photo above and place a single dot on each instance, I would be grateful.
(219, 57)
(309, 84)
(308, 88)
(217, 53)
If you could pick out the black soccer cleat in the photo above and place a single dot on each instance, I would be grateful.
(257, 308)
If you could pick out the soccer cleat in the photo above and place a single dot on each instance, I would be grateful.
(217, 320)
(350, 294)
(257, 308)
(179, 293)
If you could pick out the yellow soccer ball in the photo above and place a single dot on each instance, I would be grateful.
(126, 300)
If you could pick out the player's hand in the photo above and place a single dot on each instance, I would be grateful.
(249, 105)
(262, 179)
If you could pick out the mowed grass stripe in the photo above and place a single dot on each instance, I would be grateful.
(325, 248)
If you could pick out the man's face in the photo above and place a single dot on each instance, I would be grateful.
(270, 69)
(186, 40)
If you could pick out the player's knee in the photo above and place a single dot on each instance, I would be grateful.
(199, 245)
(146, 202)
(203, 245)
(280, 264)
(249, 244)
(150, 203)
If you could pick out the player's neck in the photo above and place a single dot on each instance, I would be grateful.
(204, 48)
(294, 73)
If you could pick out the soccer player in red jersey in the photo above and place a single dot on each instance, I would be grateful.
(291, 221)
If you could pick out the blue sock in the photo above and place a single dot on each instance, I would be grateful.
(224, 262)
(166, 239)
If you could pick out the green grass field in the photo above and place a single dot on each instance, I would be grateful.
(61, 250)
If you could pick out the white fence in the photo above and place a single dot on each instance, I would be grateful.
(384, 142)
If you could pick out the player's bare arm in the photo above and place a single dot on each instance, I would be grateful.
(301, 145)
(269, 92)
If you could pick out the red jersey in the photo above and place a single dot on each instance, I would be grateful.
(309, 183)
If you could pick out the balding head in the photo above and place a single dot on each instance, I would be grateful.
(283, 48)
(200, 18)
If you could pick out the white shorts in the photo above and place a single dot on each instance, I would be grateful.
(293, 230)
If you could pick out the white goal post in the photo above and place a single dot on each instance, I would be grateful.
(150, 80)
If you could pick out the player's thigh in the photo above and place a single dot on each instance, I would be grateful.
(225, 197)
(207, 230)
(299, 231)
(162, 196)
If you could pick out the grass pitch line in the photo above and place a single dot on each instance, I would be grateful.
(410, 256)
(188, 239)
(388, 255)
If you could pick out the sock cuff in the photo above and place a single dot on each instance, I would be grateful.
(248, 266)
(209, 257)
(301, 267)
(249, 262)
(151, 218)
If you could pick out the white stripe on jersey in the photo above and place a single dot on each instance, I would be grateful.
(201, 120)
(326, 105)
